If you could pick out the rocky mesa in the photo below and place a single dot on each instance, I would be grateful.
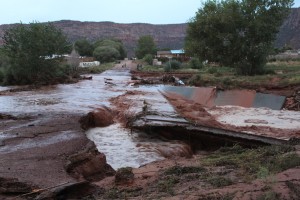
(165, 35)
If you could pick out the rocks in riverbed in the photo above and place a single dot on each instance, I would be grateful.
(75, 190)
(89, 164)
(6, 116)
(13, 186)
(124, 176)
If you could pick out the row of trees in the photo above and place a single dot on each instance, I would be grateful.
(111, 49)
(32, 53)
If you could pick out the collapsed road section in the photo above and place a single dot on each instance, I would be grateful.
(243, 116)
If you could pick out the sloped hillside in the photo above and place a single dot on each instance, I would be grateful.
(166, 36)
(290, 31)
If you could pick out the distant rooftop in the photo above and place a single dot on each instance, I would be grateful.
(180, 51)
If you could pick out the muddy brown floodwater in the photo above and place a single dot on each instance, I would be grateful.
(121, 146)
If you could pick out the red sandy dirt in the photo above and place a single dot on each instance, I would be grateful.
(122, 105)
(148, 183)
(101, 117)
(192, 111)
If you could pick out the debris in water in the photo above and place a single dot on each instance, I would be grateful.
(102, 117)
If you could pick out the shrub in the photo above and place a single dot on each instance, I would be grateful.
(163, 59)
(174, 64)
(269, 71)
(148, 58)
(227, 81)
(212, 70)
(195, 63)
(196, 80)
(167, 68)
(178, 170)
(219, 181)
(218, 74)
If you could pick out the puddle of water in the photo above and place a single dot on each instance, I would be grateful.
(132, 149)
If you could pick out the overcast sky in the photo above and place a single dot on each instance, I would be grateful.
(120, 11)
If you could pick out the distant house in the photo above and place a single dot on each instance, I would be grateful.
(179, 54)
(164, 54)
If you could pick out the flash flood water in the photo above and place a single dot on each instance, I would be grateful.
(122, 147)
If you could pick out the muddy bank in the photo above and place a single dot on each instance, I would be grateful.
(37, 151)
(193, 179)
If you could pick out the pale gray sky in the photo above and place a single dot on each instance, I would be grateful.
(120, 11)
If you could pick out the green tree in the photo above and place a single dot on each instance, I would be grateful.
(84, 47)
(30, 49)
(117, 44)
(106, 54)
(238, 33)
(146, 45)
